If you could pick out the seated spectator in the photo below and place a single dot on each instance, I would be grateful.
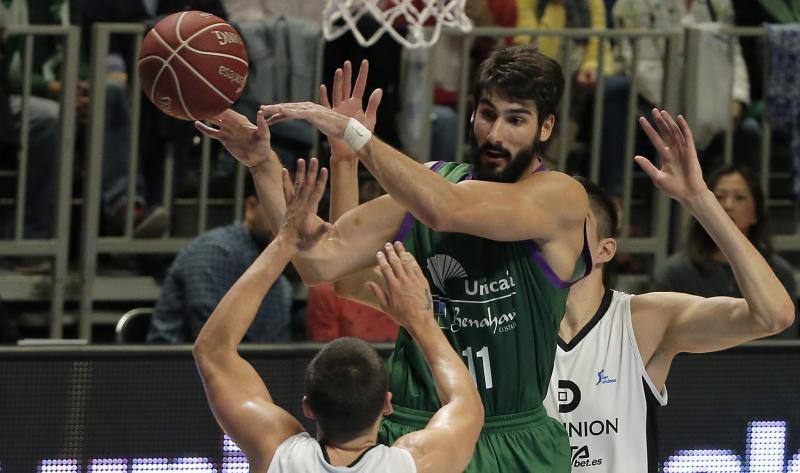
(701, 269)
(204, 271)
(43, 120)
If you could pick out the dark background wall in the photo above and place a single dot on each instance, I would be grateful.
(132, 409)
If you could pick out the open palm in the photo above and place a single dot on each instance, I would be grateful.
(680, 176)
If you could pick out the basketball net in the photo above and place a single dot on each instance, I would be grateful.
(424, 23)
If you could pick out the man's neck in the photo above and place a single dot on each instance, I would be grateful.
(584, 299)
(345, 453)
(535, 165)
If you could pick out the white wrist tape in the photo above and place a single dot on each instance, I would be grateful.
(356, 135)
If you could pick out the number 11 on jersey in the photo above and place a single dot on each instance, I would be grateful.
(483, 354)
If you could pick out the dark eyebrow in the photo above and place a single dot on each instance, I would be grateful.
(519, 110)
(486, 102)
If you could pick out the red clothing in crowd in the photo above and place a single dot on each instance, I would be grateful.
(329, 317)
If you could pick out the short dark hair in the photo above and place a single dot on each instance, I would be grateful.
(521, 73)
(699, 245)
(346, 385)
(603, 208)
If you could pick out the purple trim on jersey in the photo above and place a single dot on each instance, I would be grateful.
(438, 165)
(551, 275)
(405, 227)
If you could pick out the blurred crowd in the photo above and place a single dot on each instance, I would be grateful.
(201, 273)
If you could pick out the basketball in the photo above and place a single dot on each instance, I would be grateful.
(193, 65)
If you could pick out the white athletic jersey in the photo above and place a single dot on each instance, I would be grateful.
(303, 454)
(602, 394)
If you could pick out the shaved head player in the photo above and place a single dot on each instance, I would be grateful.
(346, 381)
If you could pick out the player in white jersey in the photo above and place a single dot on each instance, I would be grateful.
(346, 382)
(615, 349)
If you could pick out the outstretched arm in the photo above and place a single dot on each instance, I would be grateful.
(686, 323)
(447, 442)
(353, 239)
(486, 209)
(236, 393)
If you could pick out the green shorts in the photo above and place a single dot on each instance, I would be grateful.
(525, 442)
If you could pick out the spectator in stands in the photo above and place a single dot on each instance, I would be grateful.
(330, 316)
(204, 271)
(550, 14)
(43, 119)
(46, 87)
(649, 75)
(701, 269)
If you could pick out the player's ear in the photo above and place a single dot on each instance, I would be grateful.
(606, 251)
(307, 409)
(387, 404)
(547, 127)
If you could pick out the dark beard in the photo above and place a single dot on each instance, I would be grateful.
(516, 165)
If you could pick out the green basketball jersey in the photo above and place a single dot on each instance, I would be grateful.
(499, 305)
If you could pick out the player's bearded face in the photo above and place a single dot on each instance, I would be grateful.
(515, 165)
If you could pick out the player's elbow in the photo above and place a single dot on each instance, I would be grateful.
(779, 318)
(783, 318)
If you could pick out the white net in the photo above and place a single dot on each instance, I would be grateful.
(423, 19)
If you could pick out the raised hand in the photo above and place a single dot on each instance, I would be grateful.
(248, 143)
(300, 224)
(350, 104)
(680, 176)
(407, 298)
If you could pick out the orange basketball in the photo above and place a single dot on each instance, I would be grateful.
(193, 65)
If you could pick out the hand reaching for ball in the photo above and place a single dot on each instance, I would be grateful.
(248, 143)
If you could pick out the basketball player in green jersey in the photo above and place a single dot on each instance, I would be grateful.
(499, 239)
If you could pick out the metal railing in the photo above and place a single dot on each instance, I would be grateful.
(57, 246)
(92, 243)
